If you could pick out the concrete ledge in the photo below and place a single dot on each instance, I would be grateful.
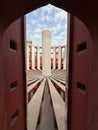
(59, 107)
(34, 107)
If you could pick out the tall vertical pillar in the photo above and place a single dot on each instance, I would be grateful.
(38, 58)
(59, 57)
(64, 59)
(33, 57)
(54, 58)
(46, 53)
(27, 57)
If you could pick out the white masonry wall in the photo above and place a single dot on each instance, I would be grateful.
(27, 62)
(33, 58)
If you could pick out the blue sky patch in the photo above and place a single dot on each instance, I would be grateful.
(47, 17)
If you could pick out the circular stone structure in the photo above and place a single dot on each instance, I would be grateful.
(34, 57)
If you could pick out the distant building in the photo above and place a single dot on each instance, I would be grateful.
(34, 57)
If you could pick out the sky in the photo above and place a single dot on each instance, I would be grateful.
(47, 17)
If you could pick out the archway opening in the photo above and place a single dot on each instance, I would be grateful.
(14, 50)
(54, 20)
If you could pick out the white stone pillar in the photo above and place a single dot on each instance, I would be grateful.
(46, 53)
(54, 58)
(27, 57)
(59, 57)
(33, 57)
(38, 58)
(64, 59)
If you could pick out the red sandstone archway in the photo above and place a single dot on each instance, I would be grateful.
(9, 12)
(12, 10)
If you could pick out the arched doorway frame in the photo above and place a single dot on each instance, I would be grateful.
(25, 10)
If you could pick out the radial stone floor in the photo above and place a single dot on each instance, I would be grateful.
(47, 121)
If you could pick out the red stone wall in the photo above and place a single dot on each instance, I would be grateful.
(80, 75)
(12, 78)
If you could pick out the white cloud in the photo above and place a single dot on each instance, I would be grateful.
(28, 26)
(47, 9)
(29, 36)
(34, 22)
(37, 30)
(47, 17)
(59, 16)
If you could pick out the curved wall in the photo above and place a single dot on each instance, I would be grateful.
(34, 57)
